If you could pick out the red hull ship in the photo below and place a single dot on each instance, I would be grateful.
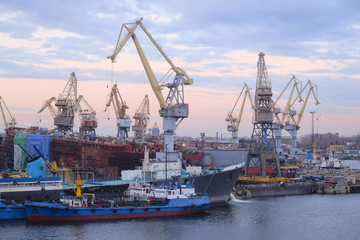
(98, 158)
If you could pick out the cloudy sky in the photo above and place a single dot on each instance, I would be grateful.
(215, 42)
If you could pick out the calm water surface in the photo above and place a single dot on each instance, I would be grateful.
(293, 217)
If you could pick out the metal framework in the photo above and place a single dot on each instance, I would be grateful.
(232, 120)
(174, 109)
(122, 119)
(88, 121)
(12, 122)
(262, 152)
(141, 118)
(65, 104)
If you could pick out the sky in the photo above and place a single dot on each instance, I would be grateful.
(216, 42)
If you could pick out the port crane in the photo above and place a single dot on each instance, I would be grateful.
(291, 122)
(7, 123)
(173, 109)
(88, 121)
(122, 119)
(65, 104)
(232, 120)
(278, 123)
(78, 182)
(141, 118)
(262, 151)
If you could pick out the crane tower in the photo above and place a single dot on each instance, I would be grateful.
(291, 124)
(122, 119)
(262, 150)
(173, 109)
(88, 121)
(65, 113)
(233, 121)
(141, 118)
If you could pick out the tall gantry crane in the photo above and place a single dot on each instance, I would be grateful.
(122, 119)
(291, 122)
(278, 123)
(174, 109)
(88, 121)
(262, 151)
(7, 123)
(141, 118)
(232, 120)
(65, 104)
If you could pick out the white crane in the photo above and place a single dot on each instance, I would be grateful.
(141, 118)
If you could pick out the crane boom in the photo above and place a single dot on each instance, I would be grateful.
(289, 104)
(152, 79)
(123, 120)
(233, 121)
(311, 90)
(47, 104)
(150, 74)
(173, 109)
(78, 181)
(12, 119)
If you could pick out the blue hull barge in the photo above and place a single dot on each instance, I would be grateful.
(56, 212)
(12, 211)
(142, 200)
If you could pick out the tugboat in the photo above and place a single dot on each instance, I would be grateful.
(142, 201)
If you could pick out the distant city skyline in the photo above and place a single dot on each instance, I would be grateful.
(216, 43)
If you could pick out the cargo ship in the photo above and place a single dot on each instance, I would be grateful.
(217, 183)
(144, 201)
(97, 157)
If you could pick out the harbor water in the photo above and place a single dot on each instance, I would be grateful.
(289, 217)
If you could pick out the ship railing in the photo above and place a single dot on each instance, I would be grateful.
(270, 185)
(103, 179)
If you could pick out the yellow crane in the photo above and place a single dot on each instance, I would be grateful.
(173, 109)
(278, 123)
(291, 124)
(233, 121)
(12, 122)
(141, 118)
(122, 119)
(152, 79)
(52, 166)
(78, 182)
